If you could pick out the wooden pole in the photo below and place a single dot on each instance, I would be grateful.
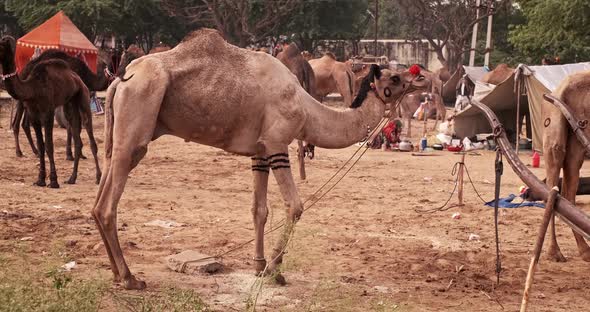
(474, 36)
(376, 25)
(538, 246)
(301, 158)
(489, 35)
(460, 180)
(518, 90)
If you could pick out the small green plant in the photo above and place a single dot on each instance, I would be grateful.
(172, 299)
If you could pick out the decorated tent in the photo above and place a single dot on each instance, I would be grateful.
(502, 99)
(57, 32)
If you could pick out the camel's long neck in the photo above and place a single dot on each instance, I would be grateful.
(330, 128)
(100, 81)
(14, 86)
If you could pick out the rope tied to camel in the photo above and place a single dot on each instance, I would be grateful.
(454, 173)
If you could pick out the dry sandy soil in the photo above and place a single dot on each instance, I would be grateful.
(362, 248)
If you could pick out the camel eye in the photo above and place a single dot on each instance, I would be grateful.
(395, 80)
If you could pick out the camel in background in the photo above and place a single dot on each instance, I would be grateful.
(562, 149)
(243, 102)
(333, 76)
(94, 82)
(434, 104)
(498, 75)
(292, 58)
(49, 85)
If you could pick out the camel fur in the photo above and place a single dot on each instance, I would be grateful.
(562, 150)
(94, 82)
(50, 84)
(248, 103)
(498, 75)
(292, 58)
(333, 76)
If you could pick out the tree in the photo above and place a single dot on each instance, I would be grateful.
(93, 17)
(328, 19)
(445, 24)
(241, 22)
(554, 27)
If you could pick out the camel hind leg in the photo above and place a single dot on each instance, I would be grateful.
(554, 140)
(131, 129)
(571, 177)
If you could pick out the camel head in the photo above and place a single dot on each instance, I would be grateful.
(132, 53)
(389, 85)
(7, 48)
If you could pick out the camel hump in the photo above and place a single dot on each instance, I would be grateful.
(330, 55)
(41, 68)
(200, 33)
(292, 51)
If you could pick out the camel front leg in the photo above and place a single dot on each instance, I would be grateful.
(571, 178)
(279, 162)
(41, 152)
(74, 129)
(18, 116)
(48, 125)
(69, 155)
(93, 148)
(26, 125)
(260, 170)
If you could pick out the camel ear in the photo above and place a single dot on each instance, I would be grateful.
(375, 71)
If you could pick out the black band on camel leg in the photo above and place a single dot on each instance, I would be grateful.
(278, 155)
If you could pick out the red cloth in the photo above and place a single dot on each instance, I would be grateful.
(57, 32)
(391, 131)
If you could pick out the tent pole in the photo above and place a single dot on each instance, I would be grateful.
(518, 96)
(474, 36)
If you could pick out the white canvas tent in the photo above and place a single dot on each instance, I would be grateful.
(502, 99)
(473, 73)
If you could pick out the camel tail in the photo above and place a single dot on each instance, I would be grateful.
(109, 120)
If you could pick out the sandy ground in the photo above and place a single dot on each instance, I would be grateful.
(362, 248)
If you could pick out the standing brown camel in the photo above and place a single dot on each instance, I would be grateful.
(563, 150)
(292, 58)
(333, 76)
(98, 82)
(498, 75)
(243, 102)
(411, 103)
(50, 84)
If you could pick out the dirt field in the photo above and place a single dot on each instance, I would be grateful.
(362, 248)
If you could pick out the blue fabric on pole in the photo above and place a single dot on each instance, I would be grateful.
(507, 203)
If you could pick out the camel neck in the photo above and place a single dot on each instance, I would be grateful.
(329, 128)
(8, 68)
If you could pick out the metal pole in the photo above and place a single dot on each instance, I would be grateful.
(489, 36)
(474, 36)
(376, 25)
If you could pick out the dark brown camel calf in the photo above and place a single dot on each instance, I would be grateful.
(50, 84)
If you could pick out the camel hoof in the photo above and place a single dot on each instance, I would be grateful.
(53, 184)
(19, 154)
(133, 284)
(70, 157)
(40, 183)
(260, 266)
(556, 255)
(280, 279)
(71, 181)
